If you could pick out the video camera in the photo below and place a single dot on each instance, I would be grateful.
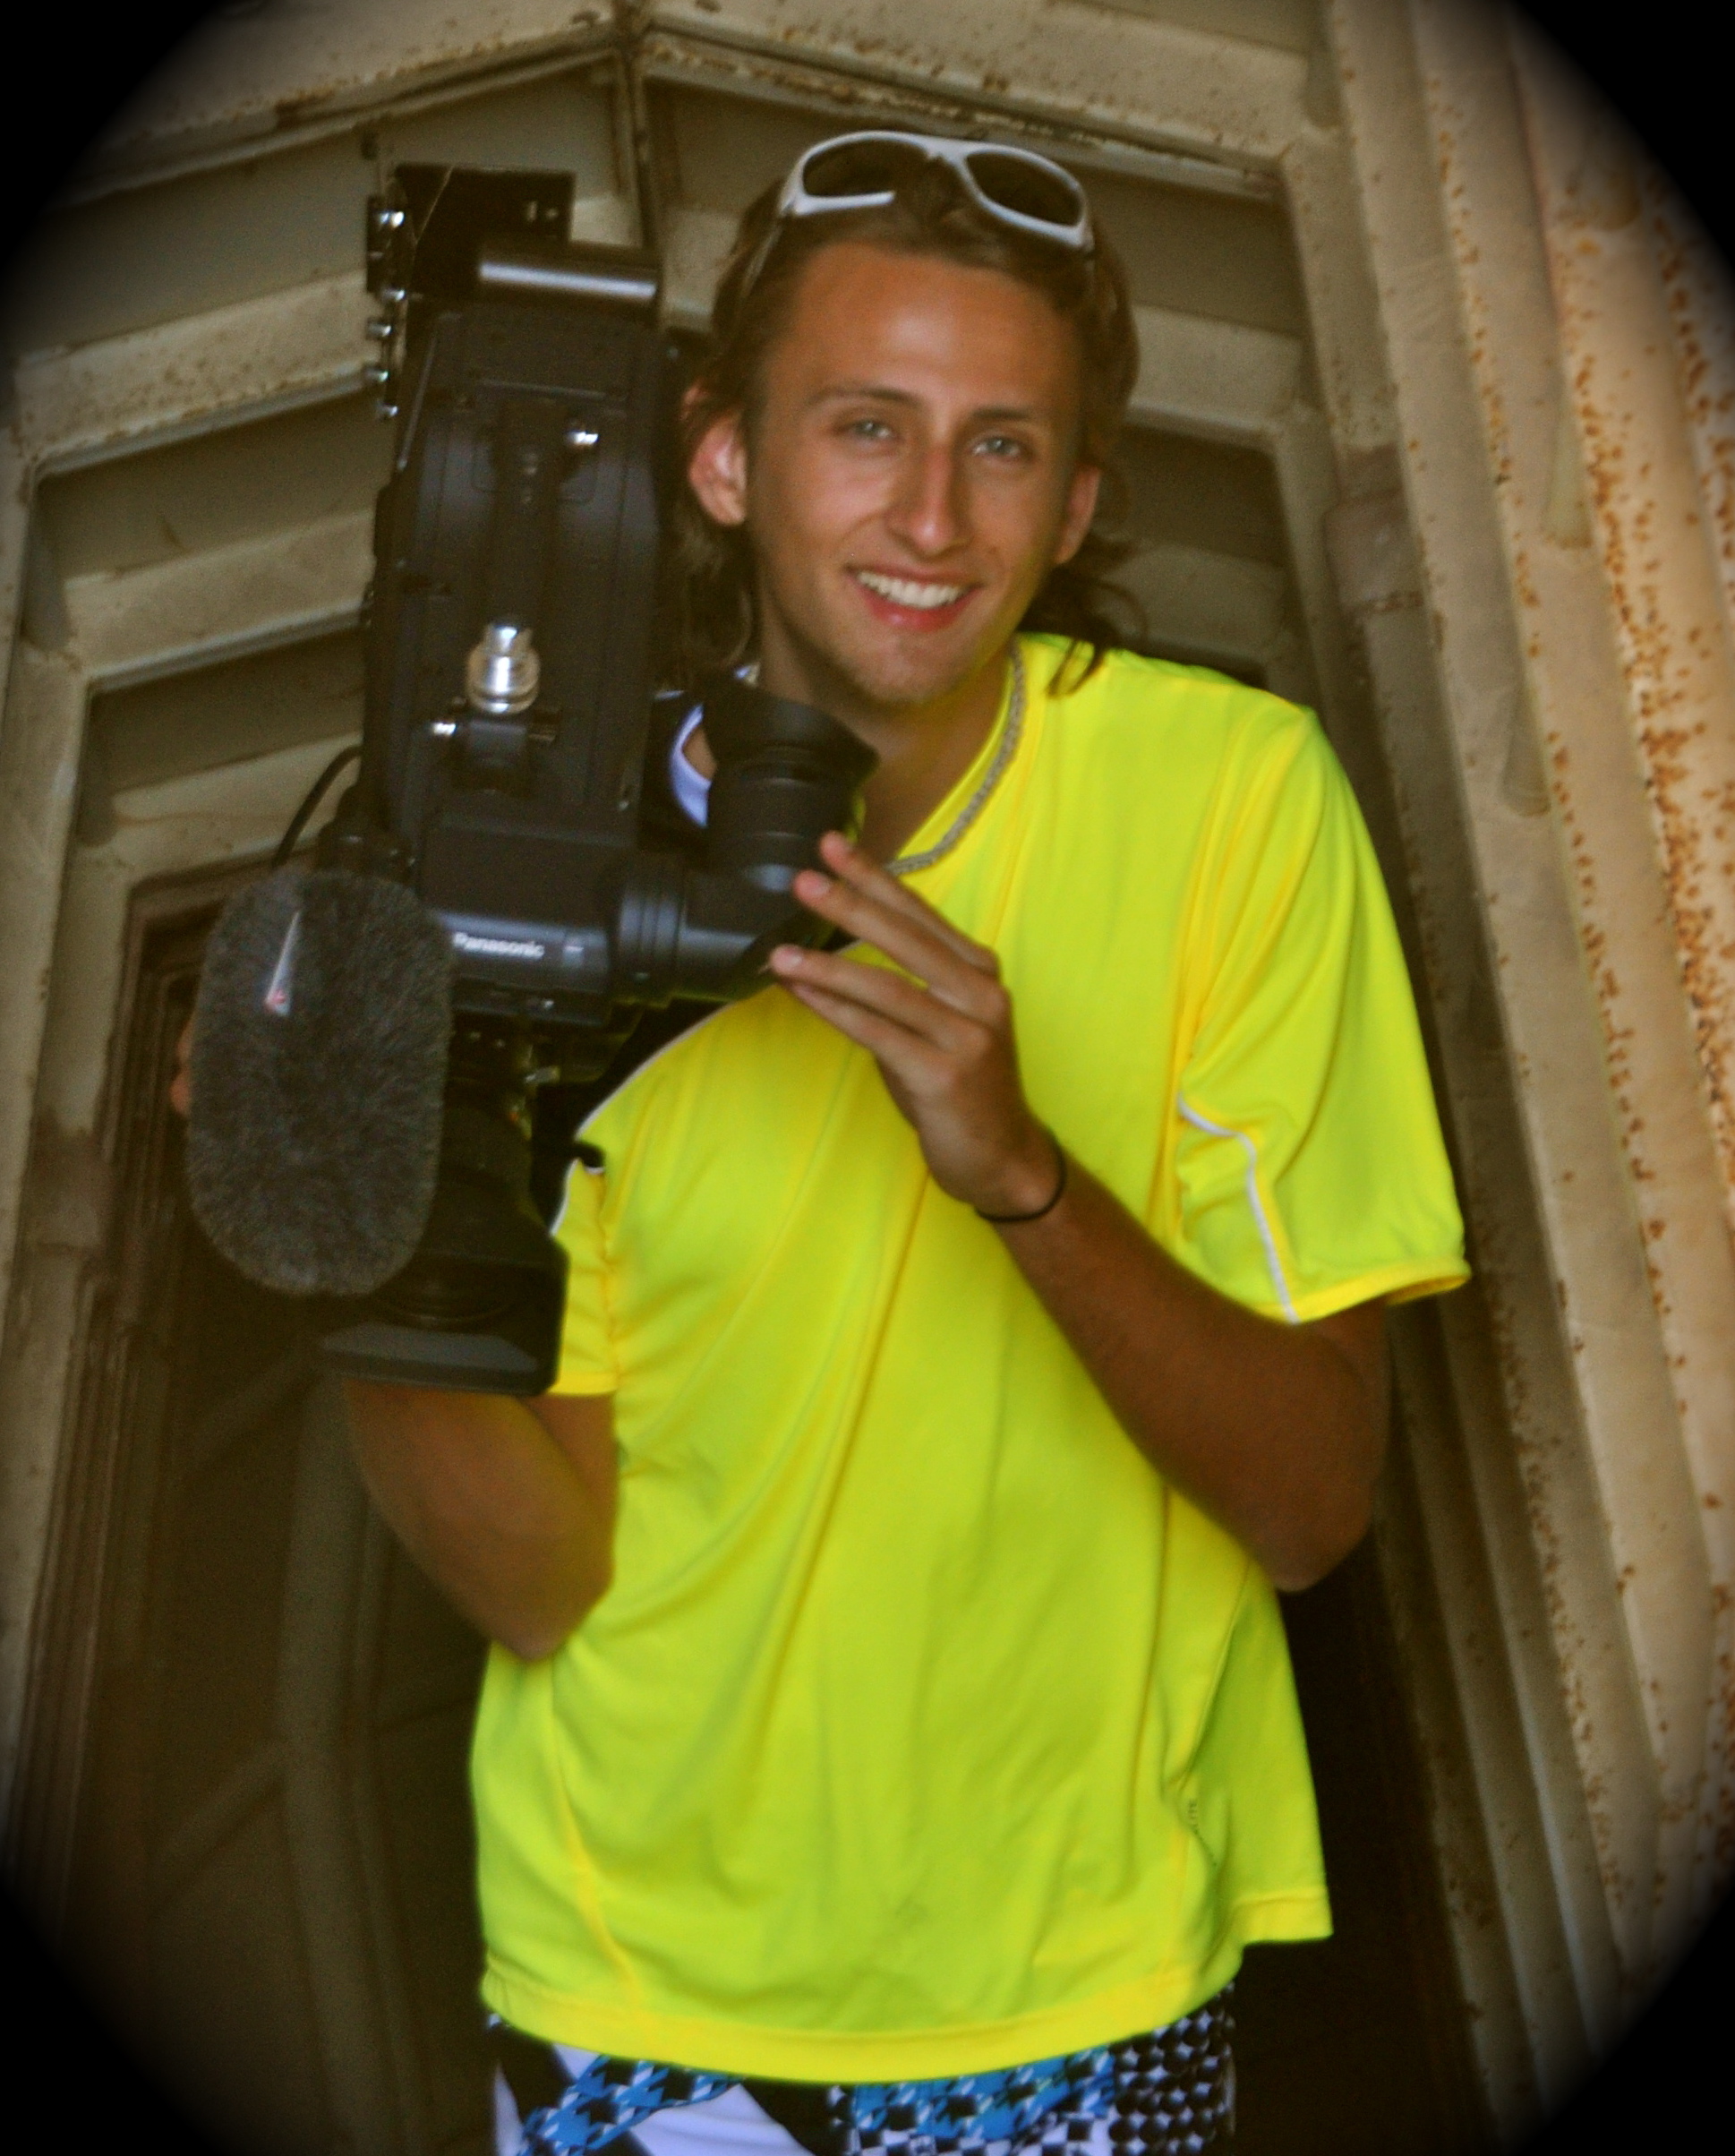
(511, 634)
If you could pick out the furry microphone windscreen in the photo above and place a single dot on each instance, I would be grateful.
(319, 1060)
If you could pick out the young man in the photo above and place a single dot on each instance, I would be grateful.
(891, 1739)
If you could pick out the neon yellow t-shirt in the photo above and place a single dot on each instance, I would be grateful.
(924, 1730)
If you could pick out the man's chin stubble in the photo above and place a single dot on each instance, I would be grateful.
(850, 686)
(890, 688)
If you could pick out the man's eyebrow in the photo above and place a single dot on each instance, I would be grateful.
(838, 393)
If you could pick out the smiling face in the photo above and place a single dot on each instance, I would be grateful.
(907, 479)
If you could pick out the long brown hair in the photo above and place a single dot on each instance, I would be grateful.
(714, 604)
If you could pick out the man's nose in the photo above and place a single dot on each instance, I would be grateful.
(930, 512)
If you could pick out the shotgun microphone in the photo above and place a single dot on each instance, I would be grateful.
(319, 1062)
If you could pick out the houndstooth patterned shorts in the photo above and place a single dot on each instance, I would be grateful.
(1167, 2093)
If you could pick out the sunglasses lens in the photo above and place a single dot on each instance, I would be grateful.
(850, 169)
(1028, 190)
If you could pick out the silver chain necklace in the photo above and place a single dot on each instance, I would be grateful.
(907, 864)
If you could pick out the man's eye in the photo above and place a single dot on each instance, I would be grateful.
(1007, 448)
(867, 430)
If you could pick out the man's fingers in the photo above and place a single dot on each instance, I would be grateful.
(893, 1046)
(860, 873)
(916, 940)
(179, 1086)
(901, 1002)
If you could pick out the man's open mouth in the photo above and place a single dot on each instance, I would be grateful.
(906, 591)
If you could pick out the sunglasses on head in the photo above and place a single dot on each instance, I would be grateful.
(864, 171)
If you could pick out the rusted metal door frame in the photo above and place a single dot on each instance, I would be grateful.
(1617, 1361)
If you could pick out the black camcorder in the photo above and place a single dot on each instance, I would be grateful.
(507, 768)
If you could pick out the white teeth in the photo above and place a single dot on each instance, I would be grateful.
(901, 592)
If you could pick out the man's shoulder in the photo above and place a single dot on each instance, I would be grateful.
(1138, 709)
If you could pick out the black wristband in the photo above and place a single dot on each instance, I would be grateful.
(1042, 1212)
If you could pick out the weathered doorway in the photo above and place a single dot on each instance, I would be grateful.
(1349, 221)
(268, 1865)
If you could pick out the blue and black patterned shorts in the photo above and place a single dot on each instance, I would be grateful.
(1167, 2093)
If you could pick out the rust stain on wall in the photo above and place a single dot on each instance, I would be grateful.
(1664, 660)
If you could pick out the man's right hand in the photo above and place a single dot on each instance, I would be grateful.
(508, 1505)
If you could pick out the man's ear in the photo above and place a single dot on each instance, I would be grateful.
(1081, 506)
(717, 470)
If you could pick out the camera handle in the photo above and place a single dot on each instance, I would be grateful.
(535, 440)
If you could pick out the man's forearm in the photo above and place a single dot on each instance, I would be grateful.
(508, 1505)
(1277, 1431)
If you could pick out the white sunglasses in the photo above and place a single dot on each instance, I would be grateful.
(864, 171)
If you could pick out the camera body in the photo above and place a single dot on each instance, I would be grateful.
(511, 634)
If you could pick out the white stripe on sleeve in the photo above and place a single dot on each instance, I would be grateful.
(1274, 1264)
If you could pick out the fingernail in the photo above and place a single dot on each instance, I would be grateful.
(786, 958)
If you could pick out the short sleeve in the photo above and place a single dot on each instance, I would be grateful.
(1311, 1169)
(587, 1352)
